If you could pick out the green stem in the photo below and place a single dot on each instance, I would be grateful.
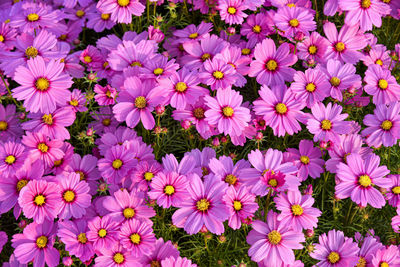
(148, 11)
(8, 89)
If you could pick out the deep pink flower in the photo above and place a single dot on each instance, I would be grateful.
(292, 20)
(103, 233)
(105, 95)
(117, 256)
(228, 172)
(137, 237)
(10, 127)
(389, 256)
(393, 193)
(313, 47)
(257, 27)
(218, 74)
(231, 11)
(12, 157)
(121, 10)
(177, 262)
(162, 250)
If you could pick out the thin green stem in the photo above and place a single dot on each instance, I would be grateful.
(8, 89)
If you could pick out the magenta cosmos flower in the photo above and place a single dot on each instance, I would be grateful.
(73, 235)
(274, 240)
(161, 251)
(387, 257)
(204, 207)
(169, 189)
(270, 173)
(311, 86)
(313, 47)
(105, 95)
(231, 11)
(257, 27)
(381, 85)
(242, 205)
(328, 122)
(357, 178)
(224, 169)
(335, 249)
(40, 200)
(296, 210)
(383, 127)
(121, 11)
(103, 233)
(9, 123)
(218, 74)
(393, 194)
(272, 66)
(292, 20)
(137, 102)
(36, 244)
(44, 86)
(117, 256)
(365, 12)
(226, 112)
(368, 249)
(280, 109)
(177, 262)
(12, 157)
(75, 196)
(137, 237)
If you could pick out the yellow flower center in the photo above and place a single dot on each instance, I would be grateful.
(396, 190)
(80, 13)
(384, 264)
(326, 125)
(271, 65)
(312, 49)
(129, 213)
(123, 3)
(246, 51)
(291, 5)
(365, 3)
(3, 125)
(379, 62)
(39, 200)
(106, 122)
(361, 262)
(63, 37)
(69, 196)
(274, 237)
(273, 182)
(218, 75)
(281, 108)
(383, 84)
(181, 87)
(87, 59)
(102, 232)
(386, 125)
(33, 17)
(203, 204)
(135, 239)
(117, 164)
(158, 71)
(105, 16)
(230, 179)
(387, 1)
(193, 35)
(305, 159)
(148, 176)
(340, 46)
(198, 113)
(335, 81)
(297, 210)
(237, 205)
(294, 23)
(204, 171)
(232, 10)
(43, 147)
(1, 38)
(21, 184)
(48, 119)
(10, 159)
(228, 111)
(205, 56)
(118, 257)
(257, 29)
(42, 84)
(82, 238)
(169, 190)
(364, 180)
(310, 87)
(333, 257)
(31, 52)
(81, 175)
(136, 64)
(140, 102)
(41, 241)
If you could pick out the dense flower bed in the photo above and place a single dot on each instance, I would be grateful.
(200, 133)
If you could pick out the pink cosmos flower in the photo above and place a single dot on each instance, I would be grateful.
(40, 200)
(241, 204)
(310, 86)
(296, 210)
(177, 262)
(345, 45)
(103, 233)
(41, 147)
(328, 122)
(117, 256)
(272, 66)
(226, 112)
(121, 10)
(396, 221)
(383, 127)
(137, 237)
(365, 12)
(335, 249)
(36, 244)
(169, 189)
(91, 57)
(162, 250)
(389, 256)
(292, 20)
(256, 27)
(99, 21)
(77, 101)
(331, 7)
(73, 235)
(393, 194)
(381, 85)
(280, 110)
(10, 127)
(43, 85)
(273, 241)
(378, 55)
(193, 32)
(144, 173)
(8, 34)
(105, 95)
(231, 11)
(357, 177)
(224, 169)
(137, 102)
(218, 74)
(204, 207)
(3, 240)
(307, 159)
(313, 47)
(368, 249)
(75, 196)
(159, 67)
(12, 157)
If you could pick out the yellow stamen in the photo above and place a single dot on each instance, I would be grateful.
(181, 87)
(365, 3)
(135, 239)
(102, 232)
(205, 56)
(383, 84)
(39, 200)
(281, 108)
(310, 87)
(297, 210)
(118, 257)
(335, 81)
(69, 196)
(340, 46)
(21, 184)
(364, 180)
(203, 204)
(129, 213)
(305, 159)
(158, 71)
(43, 147)
(193, 35)
(48, 119)
(218, 75)
(105, 16)
(41, 241)
(273, 182)
(257, 29)
(326, 125)
(42, 84)
(294, 23)
(33, 17)
(272, 65)
(80, 13)
(228, 111)
(140, 102)
(31, 52)
(10, 159)
(82, 238)
(3, 125)
(231, 179)
(386, 125)
(169, 190)
(274, 237)
(87, 59)
(123, 3)
(232, 10)
(312, 49)
(148, 176)
(117, 164)
(237, 205)
(396, 190)
(333, 257)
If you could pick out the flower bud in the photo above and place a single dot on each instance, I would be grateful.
(67, 261)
